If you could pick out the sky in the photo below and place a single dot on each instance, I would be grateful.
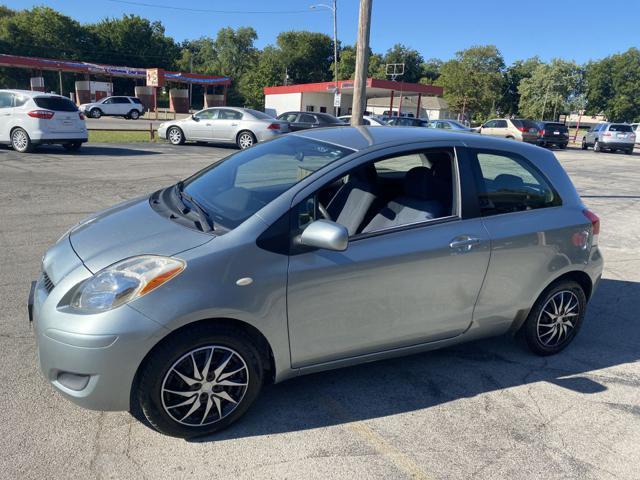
(437, 29)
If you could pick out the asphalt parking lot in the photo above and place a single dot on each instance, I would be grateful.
(488, 409)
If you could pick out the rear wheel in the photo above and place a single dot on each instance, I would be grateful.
(20, 141)
(175, 136)
(199, 381)
(562, 146)
(72, 146)
(245, 139)
(597, 147)
(95, 113)
(630, 151)
(584, 145)
(556, 318)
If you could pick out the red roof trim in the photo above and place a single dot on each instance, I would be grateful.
(326, 87)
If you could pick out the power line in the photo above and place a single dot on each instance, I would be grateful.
(205, 10)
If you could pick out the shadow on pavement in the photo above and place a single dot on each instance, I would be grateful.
(609, 337)
(96, 150)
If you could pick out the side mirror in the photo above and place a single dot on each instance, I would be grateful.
(326, 235)
(194, 118)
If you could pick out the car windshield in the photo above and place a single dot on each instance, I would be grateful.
(234, 189)
(259, 115)
(58, 104)
(457, 125)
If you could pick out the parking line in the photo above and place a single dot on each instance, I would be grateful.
(401, 460)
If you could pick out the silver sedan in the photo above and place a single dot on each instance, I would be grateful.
(241, 126)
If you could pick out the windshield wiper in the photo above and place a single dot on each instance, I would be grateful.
(205, 222)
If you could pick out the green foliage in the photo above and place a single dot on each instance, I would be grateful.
(513, 75)
(613, 86)
(269, 71)
(306, 55)
(431, 71)
(552, 89)
(473, 80)
(401, 54)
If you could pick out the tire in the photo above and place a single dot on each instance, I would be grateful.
(629, 151)
(245, 140)
(95, 113)
(134, 114)
(565, 296)
(510, 138)
(72, 147)
(175, 136)
(562, 146)
(169, 368)
(20, 141)
(597, 147)
(584, 145)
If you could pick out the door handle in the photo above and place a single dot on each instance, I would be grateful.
(207, 124)
(464, 242)
(234, 124)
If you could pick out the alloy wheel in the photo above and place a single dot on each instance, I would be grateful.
(205, 385)
(245, 140)
(558, 318)
(175, 136)
(19, 140)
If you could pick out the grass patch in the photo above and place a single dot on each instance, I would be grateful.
(118, 137)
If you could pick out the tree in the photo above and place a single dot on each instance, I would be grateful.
(472, 81)
(552, 89)
(269, 71)
(513, 75)
(613, 86)
(307, 55)
(401, 54)
(347, 65)
(430, 71)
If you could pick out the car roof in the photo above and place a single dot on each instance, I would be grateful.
(364, 137)
(30, 93)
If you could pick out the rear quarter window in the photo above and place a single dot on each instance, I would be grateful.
(136, 100)
(509, 183)
(57, 104)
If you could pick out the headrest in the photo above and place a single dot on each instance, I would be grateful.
(504, 181)
(419, 183)
(366, 173)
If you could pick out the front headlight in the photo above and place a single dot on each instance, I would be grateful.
(123, 282)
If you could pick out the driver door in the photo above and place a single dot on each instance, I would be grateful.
(200, 125)
(390, 289)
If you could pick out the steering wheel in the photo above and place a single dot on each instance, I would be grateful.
(323, 211)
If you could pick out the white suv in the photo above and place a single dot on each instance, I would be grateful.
(31, 118)
(127, 107)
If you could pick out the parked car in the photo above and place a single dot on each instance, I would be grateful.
(553, 134)
(278, 262)
(452, 125)
(408, 122)
(513, 129)
(366, 119)
(610, 136)
(241, 126)
(127, 107)
(305, 120)
(636, 130)
(29, 118)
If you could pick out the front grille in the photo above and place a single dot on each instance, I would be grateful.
(46, 281)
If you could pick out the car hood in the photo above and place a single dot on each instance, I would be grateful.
(129, 229)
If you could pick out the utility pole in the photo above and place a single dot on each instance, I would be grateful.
(362, 63)
(335, 50)
(191, 83)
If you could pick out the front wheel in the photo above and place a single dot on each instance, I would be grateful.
(95, 113)
(246, 140)
(556, 318)
(20, 141)
(175, 136)
(597, 147)
(134, 114)
(199, 381)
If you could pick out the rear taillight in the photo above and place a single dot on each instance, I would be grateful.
(606, 134)
(521, 129)
(542, 133)
(595, 224)
(81, 115)
(274, 126)
(43, 114)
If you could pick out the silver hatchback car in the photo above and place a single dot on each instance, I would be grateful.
(317, 250)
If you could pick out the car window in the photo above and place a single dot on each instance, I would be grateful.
(226, 114)
(508, 183)
(136, 100)
(121, 100)
(109, 101)
(306, 118)
(386, 194)
(6, 100)
(614, 127)
(234, 189)
(58, 104)
(490, 124)
(288, 117)
(444, 125)
(208, 114)
(19, 100)
(500, 124)
(260, 115)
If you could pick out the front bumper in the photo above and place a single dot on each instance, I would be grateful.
(162, 131)
(91, 359)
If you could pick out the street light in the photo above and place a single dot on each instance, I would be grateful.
(333, 8)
